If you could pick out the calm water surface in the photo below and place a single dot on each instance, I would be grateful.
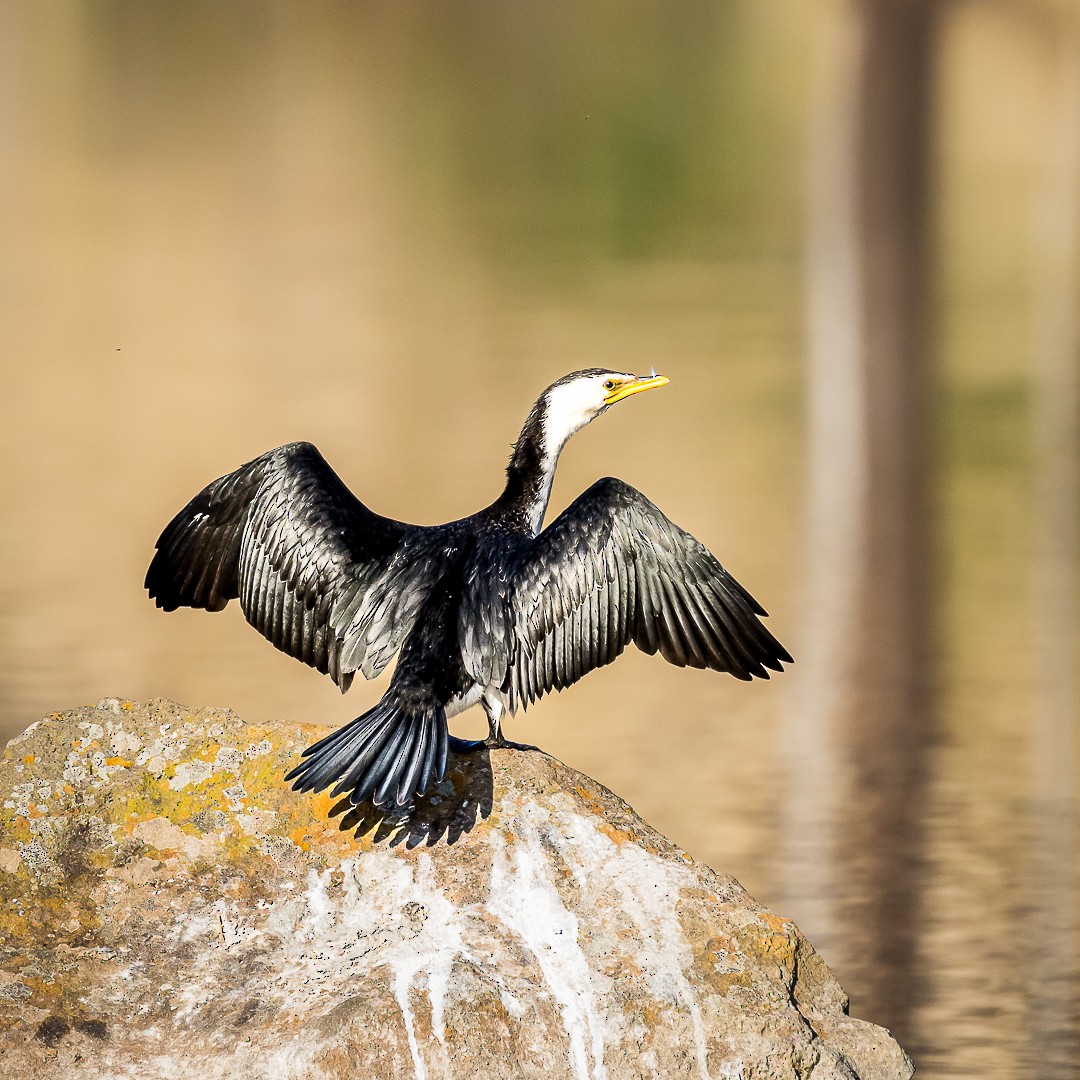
(386, 236)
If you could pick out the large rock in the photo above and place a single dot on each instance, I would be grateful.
(170, 908)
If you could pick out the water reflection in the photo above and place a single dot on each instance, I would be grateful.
(386, 228)
(1054, 1010)
(857, 782)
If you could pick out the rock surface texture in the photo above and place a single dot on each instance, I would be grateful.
(171, 909)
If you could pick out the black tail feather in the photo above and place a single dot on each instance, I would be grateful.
(390, 754)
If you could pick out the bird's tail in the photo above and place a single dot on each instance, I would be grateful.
(390, 754)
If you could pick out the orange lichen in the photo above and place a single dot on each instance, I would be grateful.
(44, 995)
(258, 732)
(590, 799)
(769, 938)
(723, 981)
(619, 836)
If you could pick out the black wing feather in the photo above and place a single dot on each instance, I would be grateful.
(307, 560)
(612, 570)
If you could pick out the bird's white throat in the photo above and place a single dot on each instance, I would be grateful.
(567, 409)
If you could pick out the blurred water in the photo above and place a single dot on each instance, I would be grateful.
(385, 229)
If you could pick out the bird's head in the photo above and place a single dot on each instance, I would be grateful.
(577, 399)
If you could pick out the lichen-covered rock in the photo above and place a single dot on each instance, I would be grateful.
(171, 909)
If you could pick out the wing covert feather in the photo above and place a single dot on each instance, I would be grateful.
(304, 556)
(612, 570)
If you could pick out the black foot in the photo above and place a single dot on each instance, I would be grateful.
(505, 744)
(469, 746)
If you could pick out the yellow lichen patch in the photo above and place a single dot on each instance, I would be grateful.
(127, 706)
(266, 771)
(29, 759)
(153, 797)
(118, 761)
(17, 828)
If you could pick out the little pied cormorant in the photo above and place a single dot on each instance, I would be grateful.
(488, 609)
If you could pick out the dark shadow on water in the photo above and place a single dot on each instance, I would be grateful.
(451, 809)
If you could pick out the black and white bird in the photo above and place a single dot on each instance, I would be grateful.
(488, 610)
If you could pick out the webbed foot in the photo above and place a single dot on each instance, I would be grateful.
(468, 746)
(465, 746)
(505, 744)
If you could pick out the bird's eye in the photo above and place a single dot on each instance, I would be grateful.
(609, 384)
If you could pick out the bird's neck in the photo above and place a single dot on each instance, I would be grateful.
(529, 474)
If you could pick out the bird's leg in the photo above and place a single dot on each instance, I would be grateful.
(495, 740)
(494, 711)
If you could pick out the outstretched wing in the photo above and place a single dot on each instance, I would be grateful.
(611, 570)
(314, 569)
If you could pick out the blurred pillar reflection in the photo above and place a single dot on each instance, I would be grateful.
(858, 739)
(1052, 1024)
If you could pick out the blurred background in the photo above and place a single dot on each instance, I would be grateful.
(848, 233)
